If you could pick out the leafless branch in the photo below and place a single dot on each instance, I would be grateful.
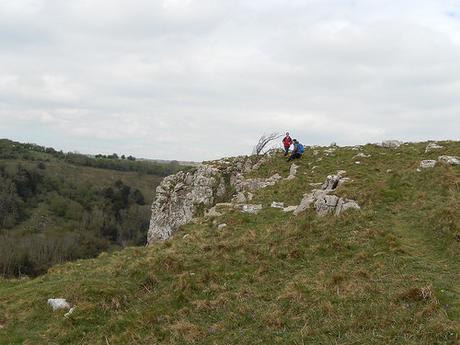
(263, 142)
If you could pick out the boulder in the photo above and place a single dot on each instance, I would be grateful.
(323, 201)
(427, 163)
(221, 226)
(58, 303)
(452, 160)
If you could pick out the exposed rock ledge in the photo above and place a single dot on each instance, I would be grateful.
(325, 203)
(180, 197)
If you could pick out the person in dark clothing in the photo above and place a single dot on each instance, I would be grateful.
(287, 142)
(297, 151)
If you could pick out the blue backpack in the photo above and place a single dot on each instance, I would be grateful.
(300, 148)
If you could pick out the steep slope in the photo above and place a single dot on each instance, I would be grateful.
(387, 273)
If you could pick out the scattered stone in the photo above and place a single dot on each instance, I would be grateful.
(58, 303)
(185, 236)
(292, 171)
(433, 146)
(393, 144)
(289, 208)
(277, 204)
(361, 155)
(221, 226)
(358, 162)
(346, 204)
(251, 208)
(452, 160)
(389, 171)
(427, 163)
(250, 196)
(325, 203)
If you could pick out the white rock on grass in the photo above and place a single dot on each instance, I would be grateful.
(58, 303)
(452, 160)
(251, 208)
(292, 172)
(289, 209)
(427, 163)
(276, 204)
(221, 226)
(433, 146)
(323, 202)
(361, 155)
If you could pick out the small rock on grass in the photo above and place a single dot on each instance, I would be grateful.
(58, 303)
(427, 163)
(452, 160)
(276, 204)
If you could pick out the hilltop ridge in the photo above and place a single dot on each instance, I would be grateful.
(387, 272)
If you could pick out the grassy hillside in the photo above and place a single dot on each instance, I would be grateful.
(387, 274)
(58, 206)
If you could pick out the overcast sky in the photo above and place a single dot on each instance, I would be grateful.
(201, 79)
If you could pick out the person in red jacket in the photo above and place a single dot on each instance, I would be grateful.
(287, 142)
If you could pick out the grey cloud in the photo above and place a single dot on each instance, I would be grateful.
(189, 79)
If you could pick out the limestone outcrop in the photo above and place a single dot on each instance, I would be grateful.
(183, 196)
(322, 200)
(451, 160)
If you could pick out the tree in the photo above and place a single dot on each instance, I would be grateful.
(263, 142)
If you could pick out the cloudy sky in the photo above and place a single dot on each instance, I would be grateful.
(201, 79)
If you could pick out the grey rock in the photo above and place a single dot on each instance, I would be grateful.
(212, 212)
(323, 202)
(239, 198)
(180, 196)
(221, 226)
(344, 205)
(391, 144)
(427, 163)
(292, 172)
(251, 208)
(58, 303)
(277, 204)
(452, 160)
(361, 155)
(433, 146)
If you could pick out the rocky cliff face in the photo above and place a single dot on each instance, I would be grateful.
(182, 196)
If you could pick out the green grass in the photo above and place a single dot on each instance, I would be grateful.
(388, 274)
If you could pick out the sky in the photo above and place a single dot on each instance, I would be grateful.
(203, 79)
